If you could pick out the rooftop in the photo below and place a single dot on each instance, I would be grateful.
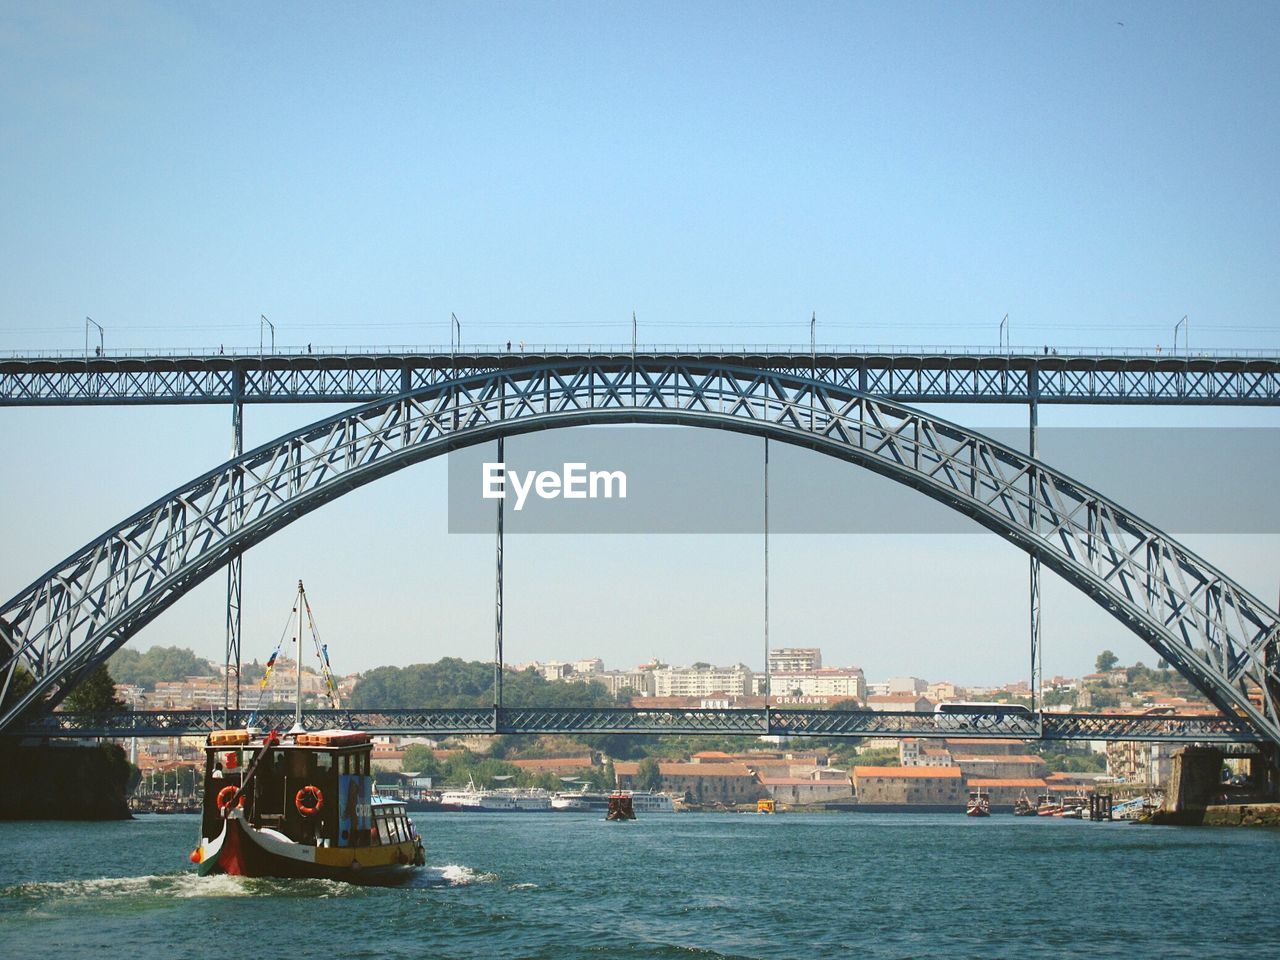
(630, 769)
(908, 773)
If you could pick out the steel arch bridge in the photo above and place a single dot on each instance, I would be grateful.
(1218, 635)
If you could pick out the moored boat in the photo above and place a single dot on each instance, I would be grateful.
(566, 802)
(979, 804)
(1023, 807)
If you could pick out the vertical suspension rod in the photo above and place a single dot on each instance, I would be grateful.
(1037, 693)
(231, 667)
(766, 586)
(497, 602)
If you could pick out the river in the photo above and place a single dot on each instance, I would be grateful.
(697, 885)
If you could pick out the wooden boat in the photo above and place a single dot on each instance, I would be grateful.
(301, 804)
(620, 807)
(1023, 807)
(1047, 806)
(979, 804)
(301, 807)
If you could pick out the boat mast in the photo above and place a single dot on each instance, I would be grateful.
(297, 706)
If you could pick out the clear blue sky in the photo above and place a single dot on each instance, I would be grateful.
(911, 172)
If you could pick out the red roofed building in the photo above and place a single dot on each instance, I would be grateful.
(722, 782)
(898, 785)
(803, 790)
(1015, 767)
(1005, 792)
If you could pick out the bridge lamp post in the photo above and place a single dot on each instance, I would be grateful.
(1185, 325)
(1004, 333)
(264, 322)
(455, 341)
(101, 338)
(813, 363)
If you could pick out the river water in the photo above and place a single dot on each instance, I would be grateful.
(696, 885)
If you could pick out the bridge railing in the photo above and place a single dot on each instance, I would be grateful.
(644, 349)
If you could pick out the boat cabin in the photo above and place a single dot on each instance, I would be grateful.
(316, 788)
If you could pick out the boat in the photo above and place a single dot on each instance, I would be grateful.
(979, 804)
(1073, 808)
(642, 801)
(300, 804)
(1047, 806)
(766, 805)
(569, 802)
(334, 828)
(472, 799)
(620, 807)
(530, 800)
(1023, 807)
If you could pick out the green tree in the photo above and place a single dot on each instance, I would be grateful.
(22, 682)
(149, 667)
(880, 757)
(419, 758)
(1106, 660)
(649, 775)
(453, 683)
(96, 693)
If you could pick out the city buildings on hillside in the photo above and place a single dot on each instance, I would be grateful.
(844, 683)
(794, 660)
(702, 681)
(900, 702)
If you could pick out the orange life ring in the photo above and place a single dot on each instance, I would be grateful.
(309, 809)
(225, 795)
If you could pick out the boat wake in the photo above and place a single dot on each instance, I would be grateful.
(159, 886)
(456, 875)
(157, 890)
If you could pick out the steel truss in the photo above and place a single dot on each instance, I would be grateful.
(638, 720)
(1201, 622)
(908, 378)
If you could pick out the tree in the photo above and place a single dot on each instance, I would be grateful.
(96, 693)
(22, 682)
(1106, 660)
(149, 667)
(419, 758)
(649, 775)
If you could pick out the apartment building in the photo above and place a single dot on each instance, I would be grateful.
(795, 660)
(702, 681)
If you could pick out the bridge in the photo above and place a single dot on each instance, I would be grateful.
(638, 720)
(845, 405)
(1240, 378)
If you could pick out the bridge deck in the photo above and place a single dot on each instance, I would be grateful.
(750, 722)
(1244, 378)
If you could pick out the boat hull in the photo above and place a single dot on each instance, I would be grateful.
(242, 851)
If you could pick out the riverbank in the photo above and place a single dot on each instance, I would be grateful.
(48, 782)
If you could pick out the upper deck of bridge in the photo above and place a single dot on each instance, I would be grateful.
(911, 374)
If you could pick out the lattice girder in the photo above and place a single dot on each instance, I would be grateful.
(638, 720)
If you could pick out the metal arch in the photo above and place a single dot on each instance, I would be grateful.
(1201, 622)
